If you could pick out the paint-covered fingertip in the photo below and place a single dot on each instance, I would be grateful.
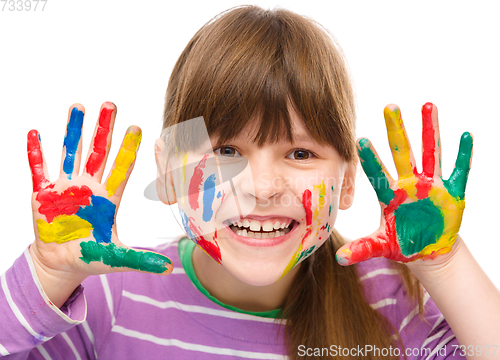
(392, 112)
(343, 257)
(33, 135)
(136, 130)
(428, 107)
(364, 143)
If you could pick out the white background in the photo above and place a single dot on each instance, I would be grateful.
(124, 51)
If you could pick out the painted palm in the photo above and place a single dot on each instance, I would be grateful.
(421, 212)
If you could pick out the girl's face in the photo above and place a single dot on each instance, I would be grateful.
(260, 211)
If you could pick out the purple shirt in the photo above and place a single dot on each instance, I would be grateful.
(134, 316)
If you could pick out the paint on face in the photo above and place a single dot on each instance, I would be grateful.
(123, 257)
(185, 225)
(101, 214)
(218, 195)
(307, 203)
(318, 212)
(208, 197)
(211, 248)
(64, 228)
(96, 158)
(195, 183)
(124, 161)
(72, 139)
(183, 174)
(35, 158)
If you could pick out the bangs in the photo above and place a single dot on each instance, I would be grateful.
(250, 65)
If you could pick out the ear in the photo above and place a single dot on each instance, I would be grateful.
(164, 181)
(347, 193)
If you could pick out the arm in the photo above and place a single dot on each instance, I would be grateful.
(465, 295)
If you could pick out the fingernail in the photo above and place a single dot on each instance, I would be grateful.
(344, 258)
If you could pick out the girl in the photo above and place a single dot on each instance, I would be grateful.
(258, 152)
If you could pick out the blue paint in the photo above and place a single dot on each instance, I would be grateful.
(73, 135)
(218, 195)
(185, 224)
(39, 138)
(101, 214)
(208, 197)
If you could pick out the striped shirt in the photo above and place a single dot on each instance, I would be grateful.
(134, 316)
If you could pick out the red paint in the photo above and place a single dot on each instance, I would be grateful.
(424, 185)
(68, 202)
(96, 158)
(35, 158)
(195, 183)
(428, 141)
(400, 196)
(212, 249)
(308, 232)
(307, 202)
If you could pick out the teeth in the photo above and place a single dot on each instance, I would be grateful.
(245, 223)
(255, 225)
(267, 226)
(276, 225)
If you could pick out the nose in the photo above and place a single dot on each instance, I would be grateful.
(265, 181)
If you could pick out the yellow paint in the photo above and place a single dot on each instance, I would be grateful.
(321, 203)
(183, 174)
(398, 141)
(452, 210)
(124, 160)
(63, 228)
(346, 253)
(409, 184)
(293, 262)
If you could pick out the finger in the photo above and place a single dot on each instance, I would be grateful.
(375, 170)
(458, 180)
(360, 250)
(124, 162)
(101, 141)
(122, 258)
(398, 141)
(431, 143)
(72, 150)
(39, 173)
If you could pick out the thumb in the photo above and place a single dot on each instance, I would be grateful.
(360, 250)
(125, 258)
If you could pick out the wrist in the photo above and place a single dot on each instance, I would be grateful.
(57, 285)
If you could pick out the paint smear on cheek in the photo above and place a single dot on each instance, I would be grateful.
(183, 174)
(307, 201)
(208, 197)
(195, 183)
(211, 248)
(73, 135)
(318, 212)
(124, 160)
(96, 158)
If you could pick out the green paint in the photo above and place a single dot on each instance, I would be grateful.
(458, 180)
(306, 253)
(418, 224)
(330, 210)
(123, 257)
(374, 171)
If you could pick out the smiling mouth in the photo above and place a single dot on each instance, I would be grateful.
(262, 234)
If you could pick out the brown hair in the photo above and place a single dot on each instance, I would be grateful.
(250, 63)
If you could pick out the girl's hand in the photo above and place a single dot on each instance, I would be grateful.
(421, 212)
(75, 216)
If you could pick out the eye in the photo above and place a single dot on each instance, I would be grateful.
(300, 154)
(226, 151)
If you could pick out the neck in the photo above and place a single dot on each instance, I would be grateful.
(229, 290)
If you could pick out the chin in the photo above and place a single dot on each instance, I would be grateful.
(255, 273)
